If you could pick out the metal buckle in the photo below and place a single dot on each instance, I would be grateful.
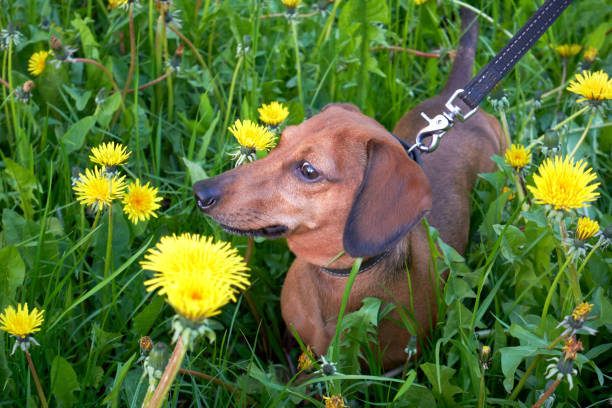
(438, 126)
(455, 110)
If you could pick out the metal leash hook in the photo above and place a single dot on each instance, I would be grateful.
(440, 124)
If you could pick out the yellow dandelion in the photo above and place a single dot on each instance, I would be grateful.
(109, 154)
(112, 4)
(518, 156)
(564, 184)
(251, 135)
(568, 50)
(305, 361)
(419, 2)
(196, 298)
(506, 189)
(582, 311)
(335, 401)
(36, 63)
(96, 189)
(291, 3)
(594, 86)
(21, 323)
(273, 113)
(198, 275)
(140, 202)
(586, 228)
(590, 54)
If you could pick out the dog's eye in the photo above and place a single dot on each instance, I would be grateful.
(309, 172)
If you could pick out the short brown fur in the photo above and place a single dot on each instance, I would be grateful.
(369, 194)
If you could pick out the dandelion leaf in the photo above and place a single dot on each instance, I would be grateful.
(440, 378)
(12, 272)
(75, 136)
(64, 382)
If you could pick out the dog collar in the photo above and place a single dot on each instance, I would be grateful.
(366, 265)
(411, 150)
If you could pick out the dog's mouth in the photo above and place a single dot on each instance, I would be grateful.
(271, 232)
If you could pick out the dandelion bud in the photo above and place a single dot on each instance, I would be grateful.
(28, 86)
(159, 356)
(56, 43)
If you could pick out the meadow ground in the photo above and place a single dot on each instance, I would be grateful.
(166, 80)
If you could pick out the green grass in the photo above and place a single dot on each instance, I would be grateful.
(509, 292)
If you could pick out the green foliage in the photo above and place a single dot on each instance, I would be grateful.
(508, 290)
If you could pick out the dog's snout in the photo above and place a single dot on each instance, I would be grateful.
(207, 194)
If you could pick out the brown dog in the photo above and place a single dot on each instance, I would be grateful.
(339, 183)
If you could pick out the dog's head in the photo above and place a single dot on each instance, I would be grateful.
(337, 182)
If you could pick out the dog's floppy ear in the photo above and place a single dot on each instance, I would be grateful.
(394, 195)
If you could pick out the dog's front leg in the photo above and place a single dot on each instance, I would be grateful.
(301, 308)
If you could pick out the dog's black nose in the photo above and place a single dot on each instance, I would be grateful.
(207, 194)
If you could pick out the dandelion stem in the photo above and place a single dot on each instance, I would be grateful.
(481, 391)
(530, 369)
(547, 394)
(586, 260)
(41, 393)
(102, 67)
(573, 274)
(551, 291)
(105, 71)
(298, 66)
(128, 80)
(109, 247)
(586, 130)
(563, 75)
(407, 50)
(570, 118)
(169, 375)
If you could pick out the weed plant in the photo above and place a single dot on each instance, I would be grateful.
(166, 79)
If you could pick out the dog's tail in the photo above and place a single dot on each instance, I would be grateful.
(461, 73)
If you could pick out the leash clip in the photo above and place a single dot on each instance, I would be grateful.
(440, 124)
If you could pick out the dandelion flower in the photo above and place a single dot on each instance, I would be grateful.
(97, 190)
(505, 190)
(36, 63)
(335, 401)
(113, 4)
(140, 202)
(273, 113)
(305, 361)
(21, 323)
(590, 54)
(419, 2)
(518, 156)
(564, 366)
(251, 135)
(564, 184)
(198, 276)
(109, 154)
(575, 320)
(197, 297)
(568, 50)
(593, 86)
(291, 3)
(586, 228)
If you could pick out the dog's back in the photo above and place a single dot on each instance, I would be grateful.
(465, 150)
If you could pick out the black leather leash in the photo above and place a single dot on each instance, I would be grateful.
(472, 95)
(476, 90)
